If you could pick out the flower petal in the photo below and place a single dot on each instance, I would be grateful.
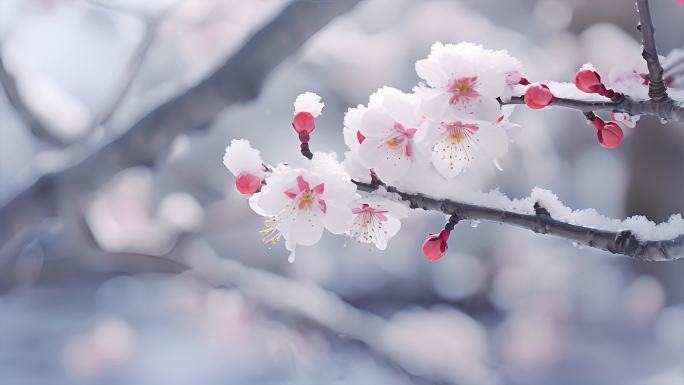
(376, 123)
(338, 218)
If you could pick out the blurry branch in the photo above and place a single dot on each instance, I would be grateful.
(239, 79)
(667, 108)
(656, 85)
(72, 249)
(311, 302)
(617, 242)
(9, 85)
(133, 66)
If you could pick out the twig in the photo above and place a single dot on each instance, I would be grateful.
(617, 242)
(239, 79)
(656, 86)
(667, 108)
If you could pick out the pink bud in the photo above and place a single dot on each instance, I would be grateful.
(598, 123)
(610, 136)
(538, 96)
(588, 81)
(303, 122)
(435, 245)
(247, 183)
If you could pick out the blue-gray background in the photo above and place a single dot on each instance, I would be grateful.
(504, 306)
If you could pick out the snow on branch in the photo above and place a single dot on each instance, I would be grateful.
(410, 148)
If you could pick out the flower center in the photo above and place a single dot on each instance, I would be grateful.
(457, 131)
(393, 143)
(306, 200)
(462, 89)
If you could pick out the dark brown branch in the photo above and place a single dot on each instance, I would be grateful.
(617, 242)
(656, 85)
(668, 109)
(238, 80)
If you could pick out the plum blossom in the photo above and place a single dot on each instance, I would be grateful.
(464, 80)
(376, 220)
(455, 145)
(300, 203)
(512, 129)
(386, 132)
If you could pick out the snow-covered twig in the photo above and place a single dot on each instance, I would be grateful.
(667, 108)
(617, 242)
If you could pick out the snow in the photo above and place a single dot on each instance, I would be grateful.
(309, 102)
(241, 157)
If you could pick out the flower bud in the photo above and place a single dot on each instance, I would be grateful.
(538, 96)
(610, 136)
(303, 122)
(588, 81)
(247, 183)
(435, 245)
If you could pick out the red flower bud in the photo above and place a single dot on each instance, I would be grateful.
(538, 96)
(435, 245)
(598, 123)
(247, 183)
(610, 135)
(303, 122)
(588, 81)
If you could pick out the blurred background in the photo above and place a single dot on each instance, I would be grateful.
(127, 256)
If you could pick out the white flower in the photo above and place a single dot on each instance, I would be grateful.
(455, 145)
(376, 220)
(464, 81)
(241, 157)
(512, 129)
(301, 202)
(352, 127)
(308, 102)
(388, 128)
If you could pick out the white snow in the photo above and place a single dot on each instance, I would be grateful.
(309, 102)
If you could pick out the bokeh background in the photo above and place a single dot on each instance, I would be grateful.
(146, 266)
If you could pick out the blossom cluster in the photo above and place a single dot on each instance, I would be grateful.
(455, 118)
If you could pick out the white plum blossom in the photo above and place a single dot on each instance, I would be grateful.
(300, 203)
(240, 157)
(352, 126)
(464, 80)
(308, 102)
(387, 131)
(512, 129)
(376, 220)
(456, 145)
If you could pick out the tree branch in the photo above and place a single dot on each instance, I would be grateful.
(656, 86)
(239, 79)
(667, 108)
(617, 242)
